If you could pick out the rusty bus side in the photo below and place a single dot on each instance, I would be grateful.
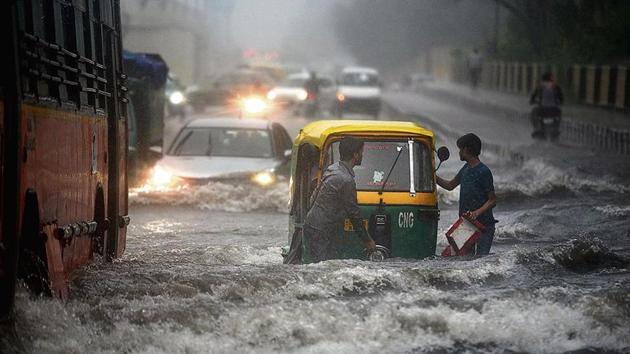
(63, 148)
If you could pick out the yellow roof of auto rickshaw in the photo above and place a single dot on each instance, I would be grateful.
(317, 132)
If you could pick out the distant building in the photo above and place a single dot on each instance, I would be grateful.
(186, 33)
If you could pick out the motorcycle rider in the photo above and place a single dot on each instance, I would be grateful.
(311, 86)
(547, 97)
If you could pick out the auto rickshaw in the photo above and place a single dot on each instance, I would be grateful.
(396, 188)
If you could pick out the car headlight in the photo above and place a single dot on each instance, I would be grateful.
(176, 97)
(160, 177)
(302, 95)
(254, 105)
(272, 95)
(264, 178)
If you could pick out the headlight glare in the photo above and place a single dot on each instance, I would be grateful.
(254, 105)
(160, 177)
(264, 178)
(176, 97)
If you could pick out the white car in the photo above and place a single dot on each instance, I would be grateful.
(359, 91)
(233, 149)
(291, 90)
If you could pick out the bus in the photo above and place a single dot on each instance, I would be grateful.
(63, 142)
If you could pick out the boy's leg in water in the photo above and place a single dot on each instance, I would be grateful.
(485, 241)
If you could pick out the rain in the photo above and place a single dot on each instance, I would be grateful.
(196, 117)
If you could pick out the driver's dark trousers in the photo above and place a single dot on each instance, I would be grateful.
(319, 243)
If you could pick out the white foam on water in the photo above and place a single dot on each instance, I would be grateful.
(245, 317)
(219, 196)
(614, 210)
(476, 271)
(537, 177)
(238, 255)
(516, 230)
(448, 197)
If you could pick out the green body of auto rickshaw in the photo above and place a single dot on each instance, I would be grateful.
(396, 187)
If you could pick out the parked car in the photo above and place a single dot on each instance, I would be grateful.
(359, 91)
(211, 148)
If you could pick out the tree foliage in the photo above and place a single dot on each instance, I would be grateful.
(566, 30)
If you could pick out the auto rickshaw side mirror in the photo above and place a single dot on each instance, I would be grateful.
(443, 154)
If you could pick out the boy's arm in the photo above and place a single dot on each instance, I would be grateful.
(351, 207)
(489, 204)
(446, 184)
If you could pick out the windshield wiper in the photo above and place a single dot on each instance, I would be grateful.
(209, 150)
(178, 147)
(400, 149)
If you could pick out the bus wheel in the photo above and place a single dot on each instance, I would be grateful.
(33, 266)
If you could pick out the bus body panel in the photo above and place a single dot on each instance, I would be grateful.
(62, 98)
(64, 162)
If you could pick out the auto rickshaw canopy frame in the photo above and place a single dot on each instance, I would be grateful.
(319, 134)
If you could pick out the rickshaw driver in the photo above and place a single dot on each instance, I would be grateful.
(334, 200)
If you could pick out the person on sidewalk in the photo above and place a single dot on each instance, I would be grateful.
(547, 97)
(476, 194)
(475, 64)
(334, 200)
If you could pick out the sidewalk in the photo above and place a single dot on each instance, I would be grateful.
(581, 125)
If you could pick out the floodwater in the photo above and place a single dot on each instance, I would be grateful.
(203, 273)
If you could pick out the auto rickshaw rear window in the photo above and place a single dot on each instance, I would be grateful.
(378, 158)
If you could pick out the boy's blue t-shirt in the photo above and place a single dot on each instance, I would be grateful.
(475, 184)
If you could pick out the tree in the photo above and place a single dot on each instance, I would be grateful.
(566, 30)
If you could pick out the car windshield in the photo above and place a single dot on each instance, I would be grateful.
(222, 142)
(360, 79)
(293, 82)
(378, 158)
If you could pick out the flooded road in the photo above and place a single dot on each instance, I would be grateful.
(203, 273)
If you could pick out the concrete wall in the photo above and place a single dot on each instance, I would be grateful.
(593, 85)
(178, 30)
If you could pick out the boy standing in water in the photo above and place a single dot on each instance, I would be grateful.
(476, 194)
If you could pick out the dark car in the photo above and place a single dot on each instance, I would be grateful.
(222, 90)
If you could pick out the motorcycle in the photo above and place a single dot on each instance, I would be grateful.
(310, 106)
(546, 122)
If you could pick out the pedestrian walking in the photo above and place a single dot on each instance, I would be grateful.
(475, 64)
